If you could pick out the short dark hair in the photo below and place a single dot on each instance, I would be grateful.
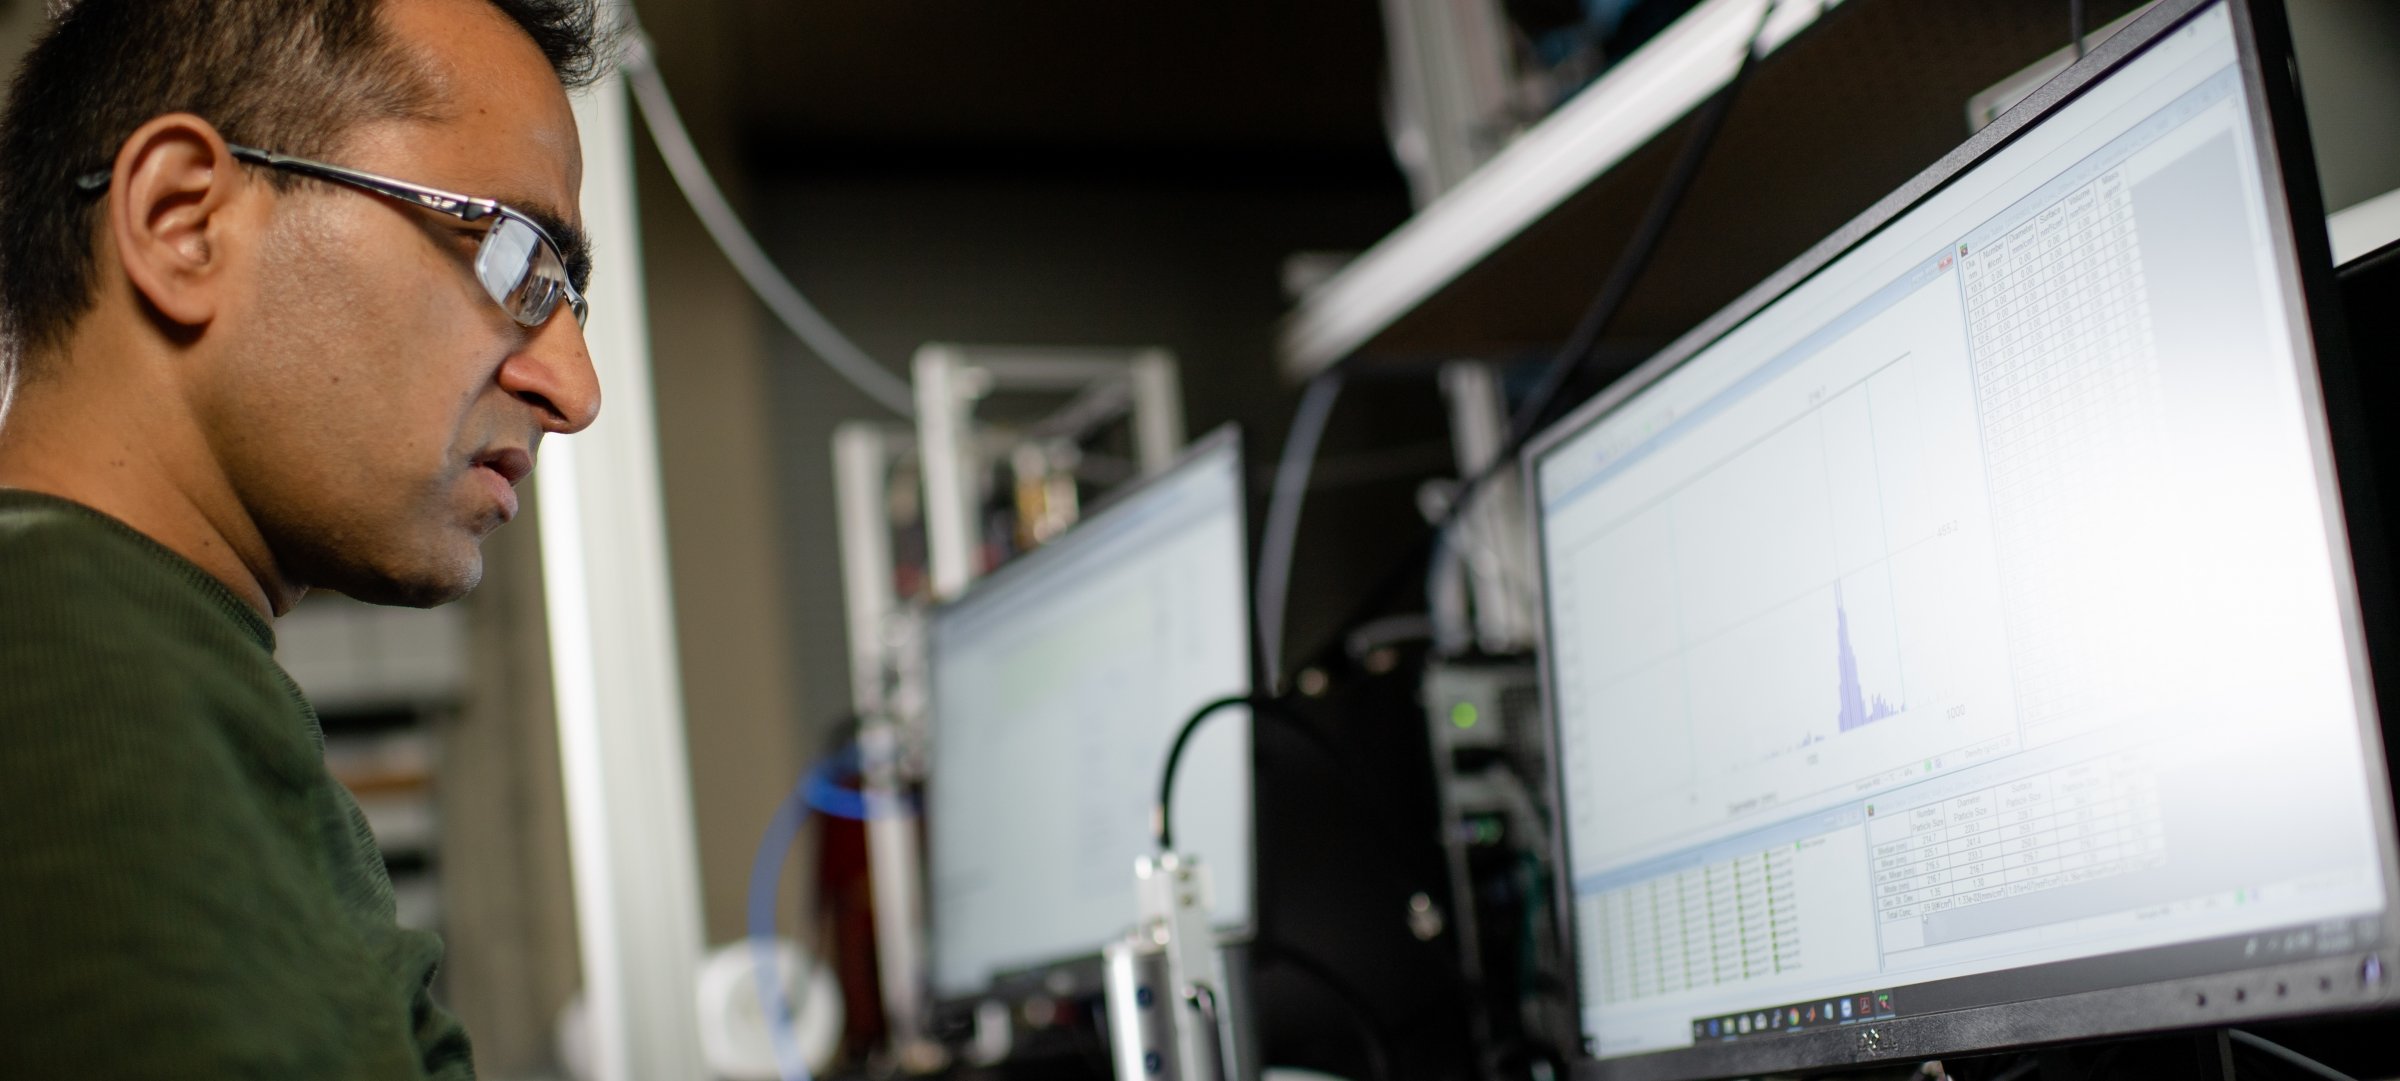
(294, 76)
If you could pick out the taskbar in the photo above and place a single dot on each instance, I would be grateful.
(2356, 939)
(1809, 1016)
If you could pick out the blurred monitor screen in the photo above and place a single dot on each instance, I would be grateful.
(1974, 623)
(1058, 683)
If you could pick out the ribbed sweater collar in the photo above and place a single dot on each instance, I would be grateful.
(217, 593)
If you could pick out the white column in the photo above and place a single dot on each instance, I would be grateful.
(612, 653)
(861, 460)
(946, 461)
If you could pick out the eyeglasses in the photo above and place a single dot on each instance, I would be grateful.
(518, 262)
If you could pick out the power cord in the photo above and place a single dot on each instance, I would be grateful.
(1374, 1037)
(2295, 1058)
(1582, 342)
(1162, 820)
(1632, 261)
(1162, 816)
(2023, 1068)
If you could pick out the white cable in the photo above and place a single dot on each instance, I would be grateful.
(741, 249)
(1282, 535)
(1446, 569)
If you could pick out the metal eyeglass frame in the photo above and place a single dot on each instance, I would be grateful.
(465, 208)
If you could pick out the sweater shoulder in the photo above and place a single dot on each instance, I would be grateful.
(55, 554)
(100, 627)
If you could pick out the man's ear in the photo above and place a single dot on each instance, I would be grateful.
(171, 195)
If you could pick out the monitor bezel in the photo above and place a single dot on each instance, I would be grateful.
(2302, 257)
(1077, 975)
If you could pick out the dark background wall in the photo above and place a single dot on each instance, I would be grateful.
(1189, 261)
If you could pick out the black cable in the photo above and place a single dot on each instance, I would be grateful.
(1582, 343)
(1632, 260)
(2075, 25)
(1374, 1037)
(2024, 1066)
(1162, 815)
(2294, 1058)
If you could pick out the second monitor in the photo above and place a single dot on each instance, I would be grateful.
(1057, 684)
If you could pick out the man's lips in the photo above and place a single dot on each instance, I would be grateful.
(512, 463)
(502, 469)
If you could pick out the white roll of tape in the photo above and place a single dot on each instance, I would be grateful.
(735, 1035)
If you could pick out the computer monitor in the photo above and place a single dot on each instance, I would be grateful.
(1956, 645)
(1057, 684)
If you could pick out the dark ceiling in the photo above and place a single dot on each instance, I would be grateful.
(1081, 76)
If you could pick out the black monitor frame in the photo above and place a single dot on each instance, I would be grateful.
(2178, 987)
(1082, 975)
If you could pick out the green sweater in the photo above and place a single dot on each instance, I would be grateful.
(185, 892)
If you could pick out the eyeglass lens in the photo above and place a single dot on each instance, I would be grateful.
(520, 271)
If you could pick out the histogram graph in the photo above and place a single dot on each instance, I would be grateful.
(1858, 708)
(1850, 622)
(1798, 593)
(1752, 616)
(1732, 641)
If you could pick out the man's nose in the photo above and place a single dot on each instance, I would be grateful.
(553, 373)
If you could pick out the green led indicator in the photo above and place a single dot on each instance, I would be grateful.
(1463, 715)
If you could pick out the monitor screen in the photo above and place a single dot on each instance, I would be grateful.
(1057, 684)
(1974, 622)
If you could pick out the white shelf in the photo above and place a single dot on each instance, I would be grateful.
(2362, 229)
(1851, 101)
(1589, 135)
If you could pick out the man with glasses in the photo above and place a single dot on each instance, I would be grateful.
(292, 290)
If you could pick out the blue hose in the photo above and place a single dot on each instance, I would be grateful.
(819, 792)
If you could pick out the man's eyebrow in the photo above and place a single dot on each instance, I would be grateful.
(574, 248)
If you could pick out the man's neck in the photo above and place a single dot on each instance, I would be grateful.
(136, 458)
